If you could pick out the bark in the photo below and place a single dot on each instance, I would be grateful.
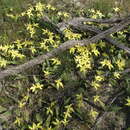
(78, 20)
(107, 38)
(64, 46)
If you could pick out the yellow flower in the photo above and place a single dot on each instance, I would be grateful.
(94, 16)
(56, 61)
(121, 64)
(99, 78)
(83, 62)
(116, 9)
(71, 36)
(35, 126)
(49, 7)
(94, 49)
(23, 13)
(46, 72)
(31, 28)
(92, 10)
(59, 13)
(88, 23)
(66, 15)
(96, 52)
(3, 62)
(93, 113)
(29, 12)
(97, 100)
(35, 87)
(72, 50)
(44, 46)
(117, 75)
(27, 43)
(69, 110)
(107, 63)
(33, 50)
(18, 44)
(39, 7)
(95, 85)
(102, 44)
(47, 32)
(59, 84)
(15, 54)
(5, 48)
(18, 121)
(49, 111)
(100, 15)
(57, 122)
(128, 101)
(21, 104)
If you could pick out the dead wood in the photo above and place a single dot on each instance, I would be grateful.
(79, 20)
(64, 46)
(107, 38)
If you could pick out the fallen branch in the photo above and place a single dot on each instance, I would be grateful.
(107, 38)
(77, 24)
(61, 48)
(79, 20)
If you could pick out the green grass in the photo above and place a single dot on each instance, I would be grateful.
(103, 5)
(7, 27)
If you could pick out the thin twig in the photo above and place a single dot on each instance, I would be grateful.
(109, 103)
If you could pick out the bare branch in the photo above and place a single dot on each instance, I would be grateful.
(61, 48)
(107, 38)
(79, 20)
(77, 23)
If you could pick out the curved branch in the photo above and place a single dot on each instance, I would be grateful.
(61, 48)
(107, 38)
